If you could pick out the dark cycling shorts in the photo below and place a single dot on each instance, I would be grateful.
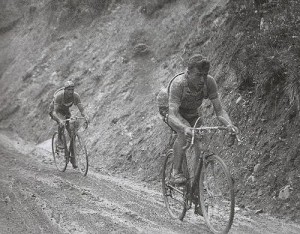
(62, 114)
(187, 120)
(190, 117)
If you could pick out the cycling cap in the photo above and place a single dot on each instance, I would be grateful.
(198, 61)
(68, 84)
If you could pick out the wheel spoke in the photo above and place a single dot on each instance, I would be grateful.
(173, 196)
(59, 155)
(81, 155)
(216, 195)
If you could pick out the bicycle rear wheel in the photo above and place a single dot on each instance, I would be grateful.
(173, 195)
(81, 155)
(216, 195)
(60, 156)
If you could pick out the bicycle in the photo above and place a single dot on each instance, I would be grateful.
(210, 188)
(74, 148)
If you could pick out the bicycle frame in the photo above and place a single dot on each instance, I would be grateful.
(192, 181)
(205, 177)
(72, 131)
(74, 149)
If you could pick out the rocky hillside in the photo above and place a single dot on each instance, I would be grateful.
(120, 53)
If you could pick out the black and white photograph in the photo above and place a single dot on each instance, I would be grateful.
(149, 116)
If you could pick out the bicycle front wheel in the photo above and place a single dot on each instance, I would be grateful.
(81, 155)
(174, 196)
(60, 156)
(216, 195)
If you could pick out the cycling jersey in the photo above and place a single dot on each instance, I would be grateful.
(64, 106)
(187, 100)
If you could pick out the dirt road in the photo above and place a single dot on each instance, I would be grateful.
(36, 198)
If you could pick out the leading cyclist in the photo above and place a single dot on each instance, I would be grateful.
(63, 99)
(186, 95)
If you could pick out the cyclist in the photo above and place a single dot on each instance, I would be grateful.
(63, 99)
(186, 95)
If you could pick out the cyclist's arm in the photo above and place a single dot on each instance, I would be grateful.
(174, 118)
(80, 107)
(77, 102)
(221, 114)
(54, 113)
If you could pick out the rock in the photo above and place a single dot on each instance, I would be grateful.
(125, 60)
(148, 127)
(114, 120)
(129, 157)
(84, 192)
(140, 49)
(238, 100)
(251, 179)
(259, 193)
(285, 192)
(256, 168)
(7, 199)
(259, 211)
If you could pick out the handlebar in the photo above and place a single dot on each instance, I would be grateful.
(73, 118)
(208, 129)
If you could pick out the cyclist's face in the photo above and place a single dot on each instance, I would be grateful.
(197, 77)
(69, 91)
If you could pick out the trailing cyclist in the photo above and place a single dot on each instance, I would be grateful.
(63, 99)
(185, 95)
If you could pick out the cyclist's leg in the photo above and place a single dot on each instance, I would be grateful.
(178, 152)
(67, 116)
(60, 129)
(72, 153)
(59, 142)
(179, 143)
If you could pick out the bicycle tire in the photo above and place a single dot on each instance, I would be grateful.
(60, 158)
(81, 155)
(216, 195)
(173, 195)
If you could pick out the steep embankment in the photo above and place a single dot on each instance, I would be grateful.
(265, 57)
(119, 54)
(119, 57)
